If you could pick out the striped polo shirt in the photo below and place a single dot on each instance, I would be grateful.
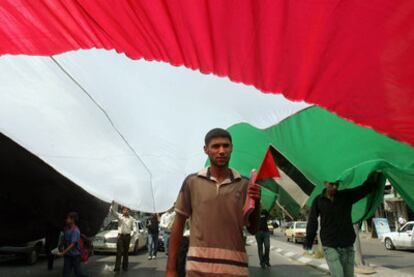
(216, 233)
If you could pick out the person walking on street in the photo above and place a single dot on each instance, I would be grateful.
(153, 233)
(213, 199)
(336, 231)
(125, 228)
(263, 240)
(71, 252)
(166, 222)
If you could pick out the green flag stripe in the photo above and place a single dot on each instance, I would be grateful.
(326, 147)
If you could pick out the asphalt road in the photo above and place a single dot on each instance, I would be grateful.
(102, 265)
(374, 252)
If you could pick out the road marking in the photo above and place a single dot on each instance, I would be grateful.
(304, 260)
(290, 254)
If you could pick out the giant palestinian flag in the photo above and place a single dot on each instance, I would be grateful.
(114, 94)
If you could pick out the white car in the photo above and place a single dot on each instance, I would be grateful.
(403, 239)
(296, 232)
(30, 250)
(106, 240)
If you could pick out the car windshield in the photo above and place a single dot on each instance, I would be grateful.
(407, 227)
(301, 225)
(111, 226)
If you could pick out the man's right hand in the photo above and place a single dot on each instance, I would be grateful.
(171, 273)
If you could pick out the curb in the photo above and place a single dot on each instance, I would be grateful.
(321, 264)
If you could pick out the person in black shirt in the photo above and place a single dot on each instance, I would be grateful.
(153, 232)
(263, 240)
(337, 233)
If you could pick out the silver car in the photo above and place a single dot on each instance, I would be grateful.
(30, 250)
(106, 240)
(402, 239)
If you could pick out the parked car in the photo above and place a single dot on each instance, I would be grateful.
(402, 239)
(30, 250)
(106, 240)
(296, 232)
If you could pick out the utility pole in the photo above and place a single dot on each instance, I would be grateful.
(359, 260)
(360, 265)
(319, 254)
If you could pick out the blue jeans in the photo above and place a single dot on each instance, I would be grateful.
(152, 244)
(263, 239)
(166, 241)
(72, 262)
(340, 261)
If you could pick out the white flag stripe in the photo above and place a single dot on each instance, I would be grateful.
(161, 111)
(292, 188)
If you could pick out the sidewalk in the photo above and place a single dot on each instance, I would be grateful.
(295, 252)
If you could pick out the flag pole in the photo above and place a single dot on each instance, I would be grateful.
(284, 210)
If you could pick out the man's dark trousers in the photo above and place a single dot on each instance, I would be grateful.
(122, 248)
(51, 242)
(263, 239)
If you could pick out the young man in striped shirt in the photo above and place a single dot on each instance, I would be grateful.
(213, 199)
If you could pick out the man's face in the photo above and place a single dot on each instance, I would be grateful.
(331, 188)
(219, 151)
(125, 211)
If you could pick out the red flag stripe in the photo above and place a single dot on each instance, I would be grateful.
(268, 168)
(355, 58)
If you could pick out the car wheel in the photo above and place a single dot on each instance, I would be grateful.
(33, 256)
(388, 244)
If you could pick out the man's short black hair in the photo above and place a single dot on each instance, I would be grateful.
(74, 216)
(216, 133)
